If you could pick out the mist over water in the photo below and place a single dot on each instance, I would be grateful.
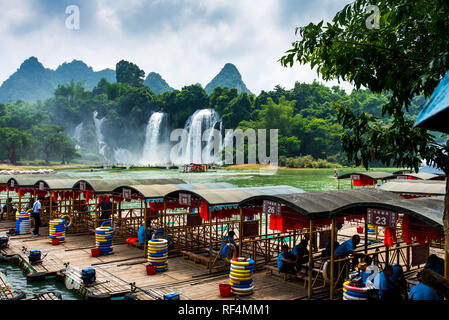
(155, 150)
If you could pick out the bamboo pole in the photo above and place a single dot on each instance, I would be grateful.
(51, 204)
(145, 240)
(332, 260)
(210, 238)
(309, 291)
(240, 233)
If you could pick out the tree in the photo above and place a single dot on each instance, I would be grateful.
(14, 142)
(50, 140)
(406, 56)
(129, 73)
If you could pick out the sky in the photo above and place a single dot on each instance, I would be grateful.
(187, 41)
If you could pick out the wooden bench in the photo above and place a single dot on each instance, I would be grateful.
(286, 276)
(195, 257)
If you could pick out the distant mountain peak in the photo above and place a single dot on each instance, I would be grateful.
(156, 83)
(229, 77)
(33, 82)
(32, 63)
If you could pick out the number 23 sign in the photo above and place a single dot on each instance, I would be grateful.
(382, 218)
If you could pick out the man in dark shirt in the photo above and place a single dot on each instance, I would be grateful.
(301, 255)
(105, 206)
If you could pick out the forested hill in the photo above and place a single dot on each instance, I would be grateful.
(304, 115)
(33, 82)
(156, 83)
(228, 77)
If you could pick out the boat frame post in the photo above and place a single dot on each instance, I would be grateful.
(332, 260)
(311, 231)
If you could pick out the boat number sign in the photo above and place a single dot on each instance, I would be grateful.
(126, 193)
(185, 199)
(41, 186)
(382, 218)
(355, 177)
(271, 207)
(83, 186)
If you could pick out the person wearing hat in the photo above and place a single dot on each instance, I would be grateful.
(36, 214)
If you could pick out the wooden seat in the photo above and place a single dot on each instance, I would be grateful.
(195, 257)
(286, 276)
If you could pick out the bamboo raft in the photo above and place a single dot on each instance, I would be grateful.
(124, 272)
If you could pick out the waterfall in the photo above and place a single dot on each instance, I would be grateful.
(156, 147)
(199, 122)
(77, 135)
(100, 137)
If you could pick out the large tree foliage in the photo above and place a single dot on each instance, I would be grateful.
(129, 73)
(406, 55)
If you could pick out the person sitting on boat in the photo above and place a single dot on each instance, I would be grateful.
(105, 206)
(435, 264)
(348, 247)
(327, 251)
(302, 256)
(422, 291)
(225, 240)
(388, 290)
(286, 261)
(365, 268)
(398, 278)
(8, 208)
(141, 232)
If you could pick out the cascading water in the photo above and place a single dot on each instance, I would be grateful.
(77, 135)
(100, 138)
(199, 122)
(157, 146)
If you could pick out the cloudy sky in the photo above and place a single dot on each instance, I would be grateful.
(186, 41)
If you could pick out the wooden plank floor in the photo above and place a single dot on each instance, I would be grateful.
(116, 272)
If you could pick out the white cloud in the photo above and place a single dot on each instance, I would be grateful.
(187, 47)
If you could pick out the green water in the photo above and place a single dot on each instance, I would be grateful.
(18, 281)
(311, 180)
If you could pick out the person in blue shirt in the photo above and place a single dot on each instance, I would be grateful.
(327, 251)
(422, 292)
(388, 290)
(141, 232)
(228, 239)
(348, 247)
(435, 264)
(286, 261)
(301, 255)
(398, 278)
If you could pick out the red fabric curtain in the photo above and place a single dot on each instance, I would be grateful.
(413, 228)
(364, 181)
(390, 237)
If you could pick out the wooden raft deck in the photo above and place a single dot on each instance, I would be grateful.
(6, 290)
(116, 272)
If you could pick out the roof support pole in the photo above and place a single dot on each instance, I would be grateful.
(20, 202)
(366, 233)
(210, 237)
(332, 259)
(145, 240)
(240, 232)
(7, 207)
(51, 204)
(309, 290)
